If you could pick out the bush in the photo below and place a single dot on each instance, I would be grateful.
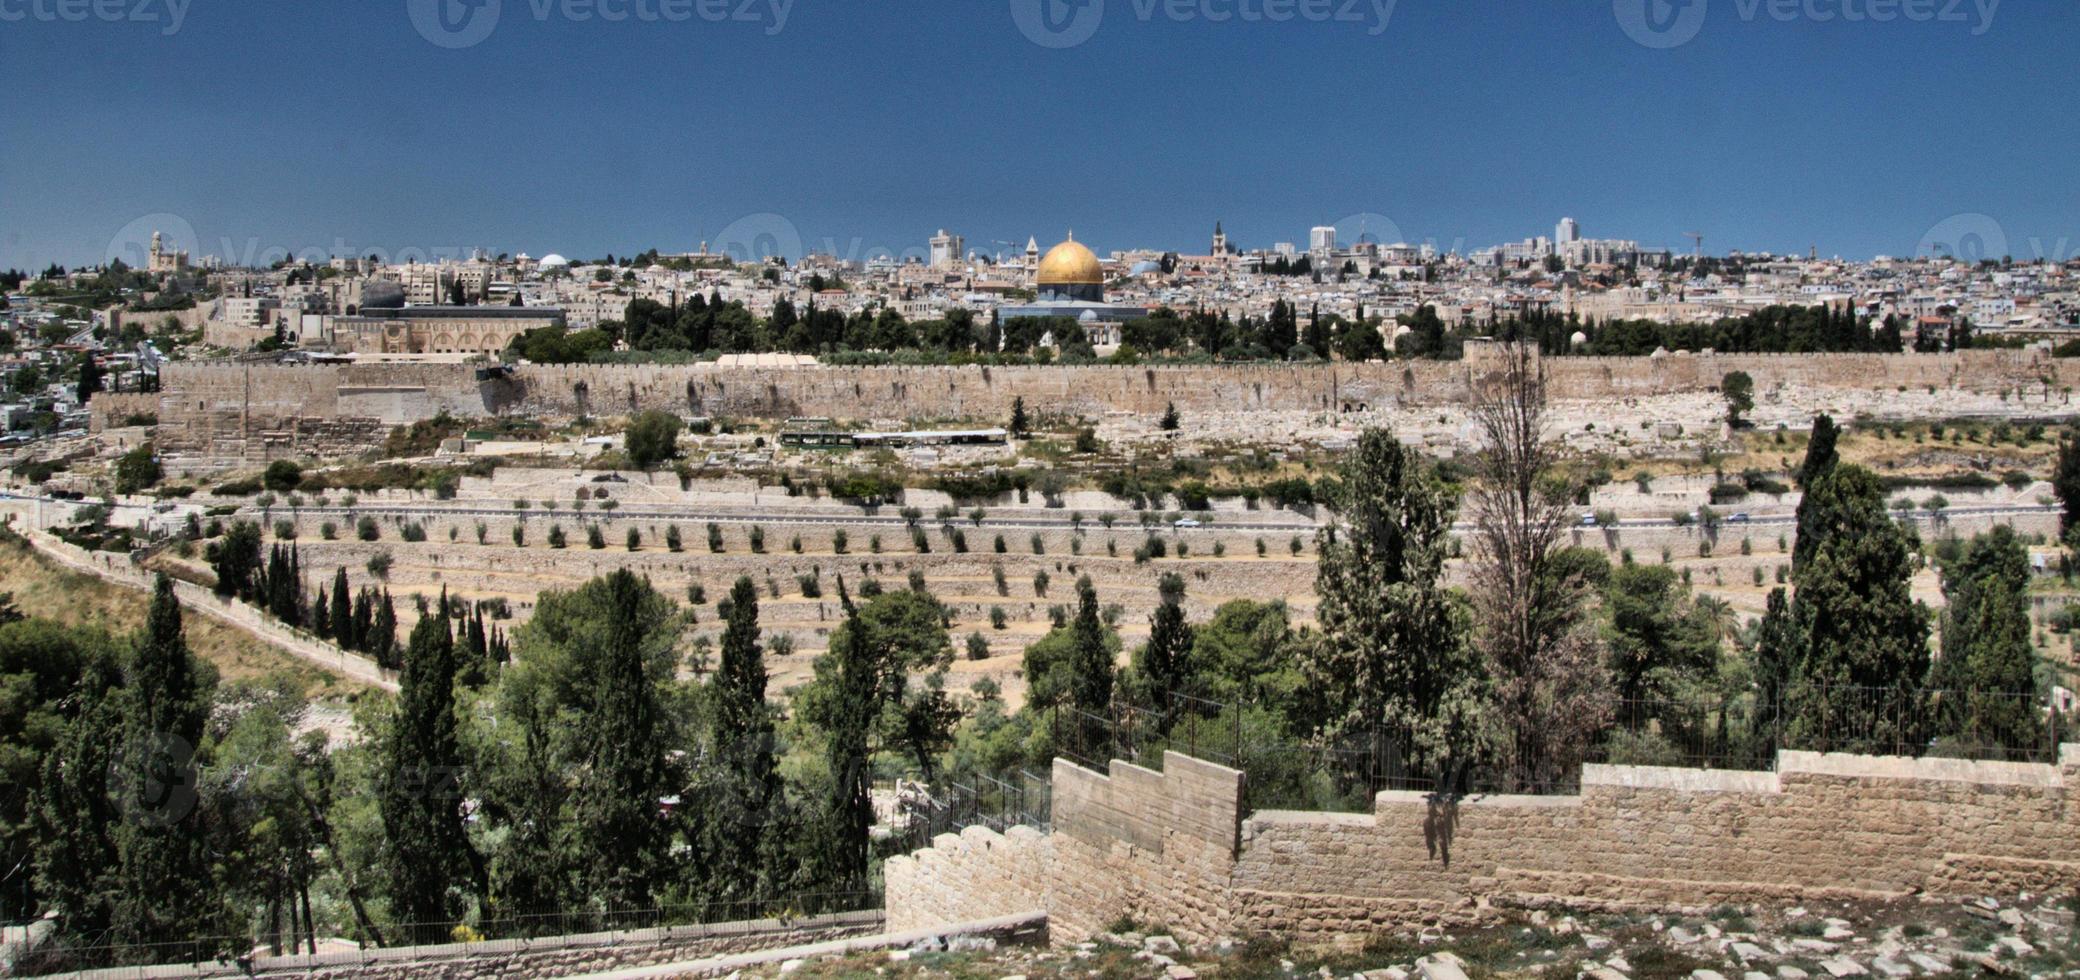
(379, 564)
(811, 585)
(556, 537)
(367, 530)
(1726, 493)
(328, 530)
(283, 475)
(840, 541)
(997, 619)
(414, 532)
(519, 536)
(594, 537)
(758, 539)
(635, 540)
(978, 648)
(715, 538)
(285, 530)
(1040, 583)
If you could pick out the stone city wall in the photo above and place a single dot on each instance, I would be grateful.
(1176, 848)
(255, 411)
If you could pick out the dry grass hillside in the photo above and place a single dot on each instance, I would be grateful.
(43, 589)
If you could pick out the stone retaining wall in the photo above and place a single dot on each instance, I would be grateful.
(1175, 848)
(554, 956)
(231, 410)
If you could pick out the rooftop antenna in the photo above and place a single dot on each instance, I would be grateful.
(1698, 237)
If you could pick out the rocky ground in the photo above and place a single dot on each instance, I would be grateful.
(2023, 936)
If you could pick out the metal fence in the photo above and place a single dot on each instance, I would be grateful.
(1021, 798)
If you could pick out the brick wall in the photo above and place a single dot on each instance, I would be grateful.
(1174, 848)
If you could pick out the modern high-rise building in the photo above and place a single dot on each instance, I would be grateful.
(1322, 239)
(1569, 231)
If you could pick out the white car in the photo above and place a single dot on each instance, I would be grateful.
(1186, 522)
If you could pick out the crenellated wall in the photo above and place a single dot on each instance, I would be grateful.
(1176, 848)
(227, 409)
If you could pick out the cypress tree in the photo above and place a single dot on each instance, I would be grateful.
(343, 611)
(1986, 674)
(364, 619)
(741, 806)
(1091, 669)
(381, 641)
(618, 823)
(166, 891)
(1821, 459)
(1394, 651)
(418, 790)
(1163, 667)
(1864, 639)
(76, 810)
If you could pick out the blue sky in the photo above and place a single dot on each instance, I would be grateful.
(861, 125)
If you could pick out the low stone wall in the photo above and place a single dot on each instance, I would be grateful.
(1175, 847)
(555, 956)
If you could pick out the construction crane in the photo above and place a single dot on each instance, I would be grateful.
(1698, 237)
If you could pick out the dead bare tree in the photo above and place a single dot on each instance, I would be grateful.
(1532, 626)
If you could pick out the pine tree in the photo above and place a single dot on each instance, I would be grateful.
(419, 793)
(321, 615)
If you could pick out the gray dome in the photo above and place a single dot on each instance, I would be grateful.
(382, 294)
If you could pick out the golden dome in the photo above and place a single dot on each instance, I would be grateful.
(1070, 264)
